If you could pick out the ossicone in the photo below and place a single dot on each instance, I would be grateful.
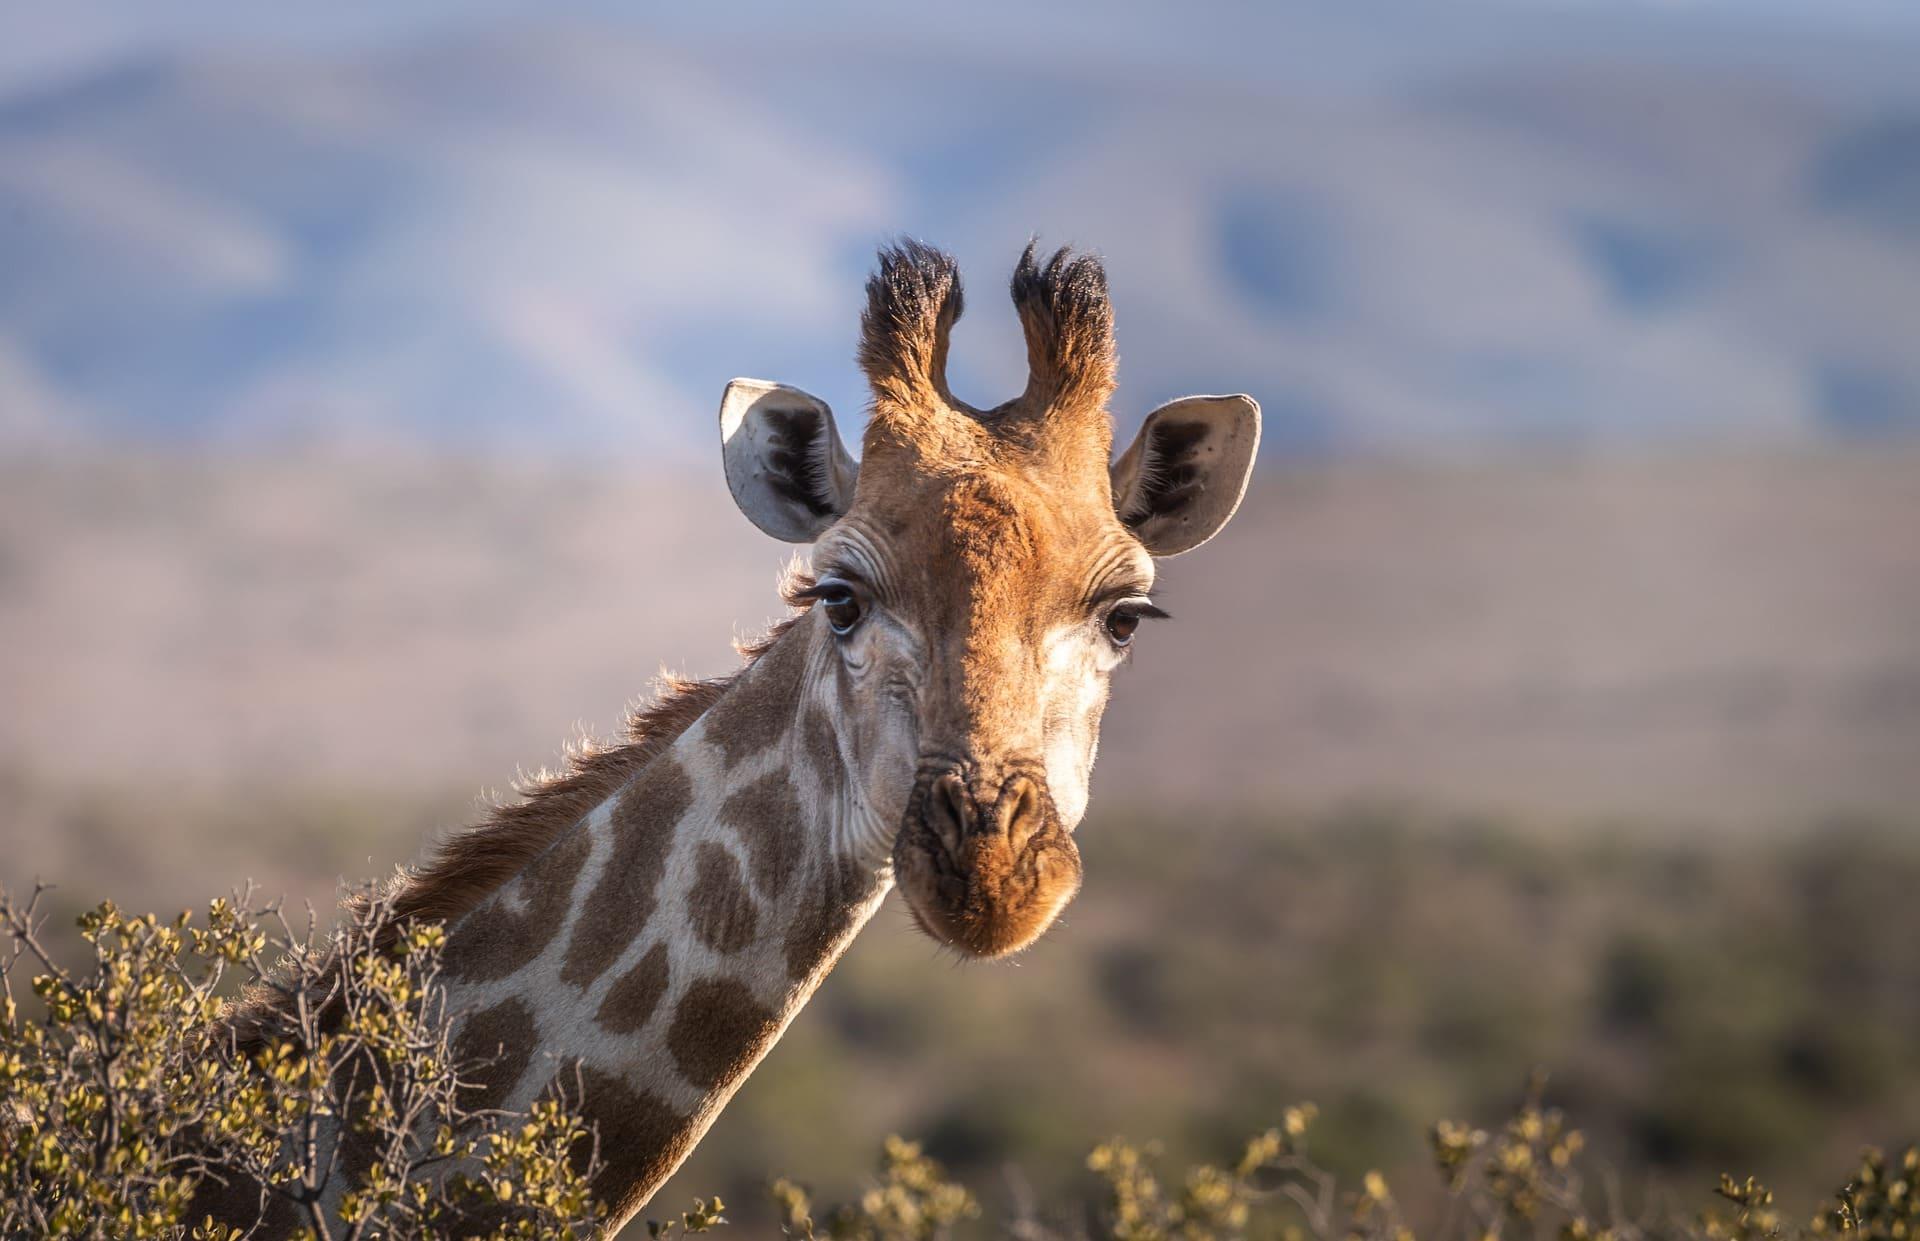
(913, 299)
(1068, 323)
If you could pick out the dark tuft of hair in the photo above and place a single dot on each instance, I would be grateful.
(1068, 321)
(913, 299)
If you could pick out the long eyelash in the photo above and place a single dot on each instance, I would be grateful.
(1140, 606)
(824, 582)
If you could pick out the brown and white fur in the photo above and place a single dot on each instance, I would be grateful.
(648, 924)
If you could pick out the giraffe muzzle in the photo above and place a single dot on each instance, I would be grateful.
(985, 865)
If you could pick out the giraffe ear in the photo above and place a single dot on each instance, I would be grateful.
(1183, 476)
(786, 467)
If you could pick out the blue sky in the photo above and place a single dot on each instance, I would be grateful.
(47, 42)
(1401, 223)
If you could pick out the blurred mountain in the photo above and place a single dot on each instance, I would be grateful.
(569, 236)
(1733, 638)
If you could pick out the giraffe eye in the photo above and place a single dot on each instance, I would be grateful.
(842, 607)
(1125, 617)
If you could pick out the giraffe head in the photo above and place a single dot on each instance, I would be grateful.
(979, 574)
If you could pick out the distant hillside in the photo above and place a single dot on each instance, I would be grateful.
(570, 237)
(1721, 638)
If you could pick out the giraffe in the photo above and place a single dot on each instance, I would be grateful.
(638, 932)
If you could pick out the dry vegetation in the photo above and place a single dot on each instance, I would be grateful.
(1708, 1002)
(130, 1106)
(127, 1101)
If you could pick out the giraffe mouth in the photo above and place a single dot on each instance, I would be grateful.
(984, 875)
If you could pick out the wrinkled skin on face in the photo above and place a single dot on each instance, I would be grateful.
(973, 682)
(978, 576)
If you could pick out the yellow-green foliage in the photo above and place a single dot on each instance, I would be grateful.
(1521, 1181)
(913, 1201)
(1880, 1199)
(123, 1095)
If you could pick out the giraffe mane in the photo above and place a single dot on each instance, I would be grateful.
(465, 867)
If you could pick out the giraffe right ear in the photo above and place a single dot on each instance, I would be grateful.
(1184, 476)
(786, 466)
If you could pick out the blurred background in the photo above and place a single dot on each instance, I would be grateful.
(1554, 700)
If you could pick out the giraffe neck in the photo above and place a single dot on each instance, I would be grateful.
(649, 958)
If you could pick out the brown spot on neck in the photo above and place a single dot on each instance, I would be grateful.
(642, 827)
(719, 1031)
(494, 1047)
(642, 1139)
(719, 905)
(822, 750)
(757, 709)
(494, 941)
(766, 814)
(630, 1002)
(826, 914)
(240, 1201)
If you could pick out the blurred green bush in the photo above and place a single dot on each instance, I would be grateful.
(1706, 1000)
(1709, 1000)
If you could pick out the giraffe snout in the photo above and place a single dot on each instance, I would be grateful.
(1017, 812)
(985, 866)
(1021, 811)
(950, 811)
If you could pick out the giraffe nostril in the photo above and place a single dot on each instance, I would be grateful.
(950, 811)
(1022, 810)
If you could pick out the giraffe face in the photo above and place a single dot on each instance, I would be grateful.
(974, 621)
(978, 577)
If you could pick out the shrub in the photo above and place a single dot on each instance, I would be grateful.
(130, 1105)
(1523, 1180)
(130, 1108)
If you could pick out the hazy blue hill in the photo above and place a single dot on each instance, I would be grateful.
(569, 237)
(1873, 174)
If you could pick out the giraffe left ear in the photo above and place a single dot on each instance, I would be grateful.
(786, 466)
(1183, 476)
